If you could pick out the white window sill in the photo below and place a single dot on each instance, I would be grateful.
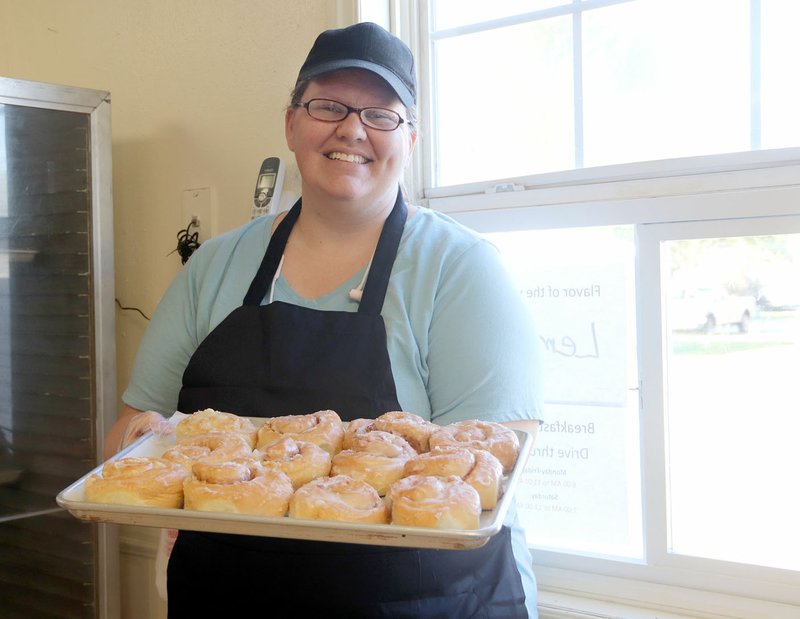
(581, 595)
(554, 605)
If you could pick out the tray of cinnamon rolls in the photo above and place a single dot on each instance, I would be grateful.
(397, 480)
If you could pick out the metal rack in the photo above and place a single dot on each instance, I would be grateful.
(57, 346)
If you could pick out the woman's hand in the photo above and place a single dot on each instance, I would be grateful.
(131, 424)
(530, 426)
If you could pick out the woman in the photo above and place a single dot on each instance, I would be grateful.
(356, 302)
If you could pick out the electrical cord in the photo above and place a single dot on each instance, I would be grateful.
(187, 242)
(134, 309)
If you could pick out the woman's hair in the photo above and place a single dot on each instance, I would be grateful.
(298, 92)
(300, 87)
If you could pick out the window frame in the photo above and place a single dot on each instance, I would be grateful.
(707, 188)
(720, 189)
(411, 20)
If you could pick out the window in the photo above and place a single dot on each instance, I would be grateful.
(637, 163)
(727, 392)
(672, 338)
(582, 487)
(563, 85)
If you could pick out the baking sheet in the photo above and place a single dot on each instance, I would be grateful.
(72, 499)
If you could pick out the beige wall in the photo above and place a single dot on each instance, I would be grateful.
(198, 89)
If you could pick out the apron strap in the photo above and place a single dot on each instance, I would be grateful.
(272, 258)
(379, 272)
(383, 260)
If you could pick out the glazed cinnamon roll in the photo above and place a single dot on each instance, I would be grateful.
(149, 482)
(412, 427)
(434, 502)
(242, 486)
(300, 460)
(378, 458)
(356, 428)
(210, 420)
(339, 498)
(212, 447)
(497, 439)
(477, 467)
(323, 428)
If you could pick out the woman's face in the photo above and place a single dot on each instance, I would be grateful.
(346, 160)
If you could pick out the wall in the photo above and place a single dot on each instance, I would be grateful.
(198, 89)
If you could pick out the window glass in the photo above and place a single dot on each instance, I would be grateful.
(733, 349)
(454, 13)
(646, 97)
(507, 112)
(780, 93)
(525, 88)
(581, 489)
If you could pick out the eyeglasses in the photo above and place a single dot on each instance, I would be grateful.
(330, 111)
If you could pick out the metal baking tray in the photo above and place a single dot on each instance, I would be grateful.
(149, 445)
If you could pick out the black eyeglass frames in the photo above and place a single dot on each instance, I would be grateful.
(331, 111)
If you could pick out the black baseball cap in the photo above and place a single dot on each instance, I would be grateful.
(364, 46)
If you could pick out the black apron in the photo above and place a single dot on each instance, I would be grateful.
(280, 359)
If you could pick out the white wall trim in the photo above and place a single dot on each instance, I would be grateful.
(138, 541)
(347, 13)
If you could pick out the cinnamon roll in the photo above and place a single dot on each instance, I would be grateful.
(339, 498)
(323, 428)
(149, 482)
(497, 439)
(434, 502)
(477, 467)
(210, 420)
(356, 428)
(378, 458)
(242, 486)
(412, 427)
(300, 460)
(211, 447)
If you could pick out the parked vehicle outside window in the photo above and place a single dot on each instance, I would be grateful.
(706, 309)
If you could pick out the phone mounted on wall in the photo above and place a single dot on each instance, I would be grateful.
(268, 187)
